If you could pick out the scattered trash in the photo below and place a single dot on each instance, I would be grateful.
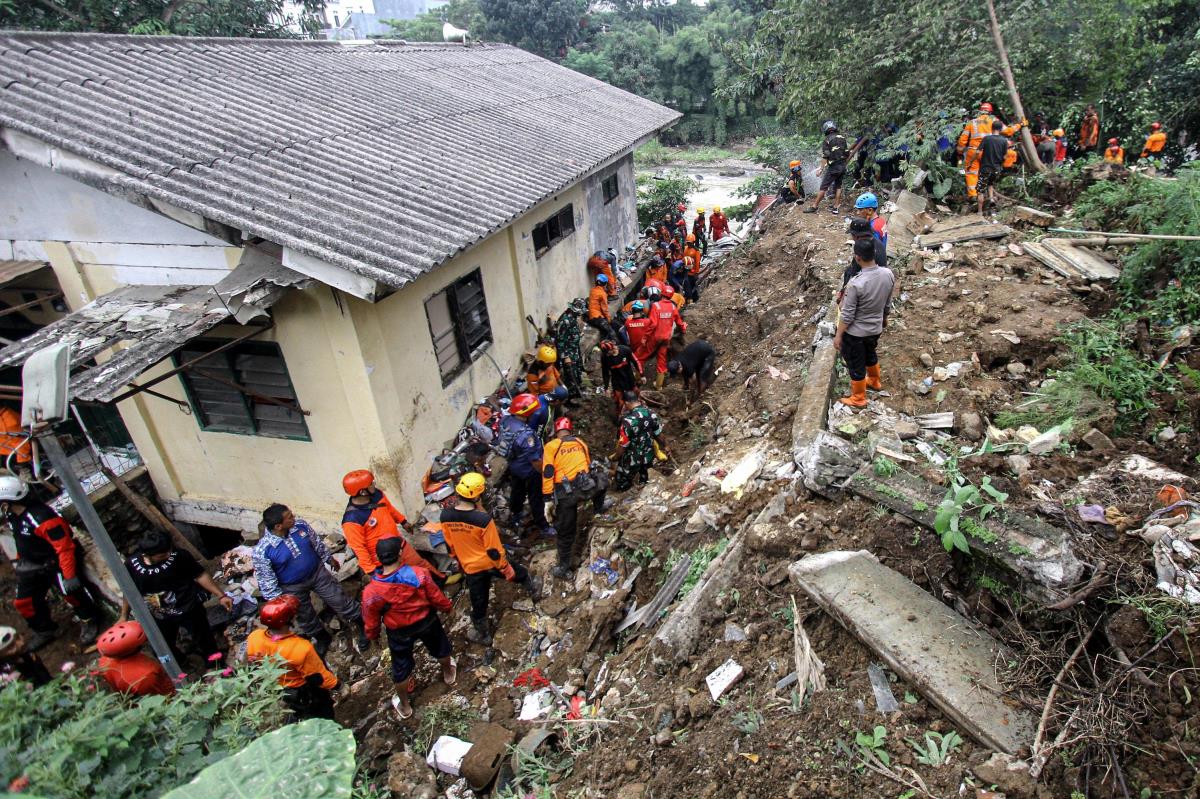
(936, 421)
(602, 567)
(946, 338)
(1093, 514)
(1170, 496)
(885, 700)
(1007, 335)
(723, 678)
(753, 758)
(733, 632)
(810, 671)
(777, 374)
(746, 470)
(531, 678)
(931, 453)
(536, 704)
(447, 753)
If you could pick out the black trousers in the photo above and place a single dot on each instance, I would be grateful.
(530, 488)
(308, 702)
(195, 621)
(859, 353)
(479, 588)
(603, 325)
(402, 641)
(32, 586)
(566, 522)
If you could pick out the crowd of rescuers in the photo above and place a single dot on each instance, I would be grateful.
(640, 345)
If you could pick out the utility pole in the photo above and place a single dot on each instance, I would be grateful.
(108, 551)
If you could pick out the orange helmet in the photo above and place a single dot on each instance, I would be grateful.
(691, 237)
(121, 640)
(357, 480)
(791, 165)
(985, 107)
(563, 424)
(279, 611)
(1155, 126)
(523, 405)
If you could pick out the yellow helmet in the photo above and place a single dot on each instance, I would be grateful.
(547, 354)
(471, 485)
(716, 209)
(699, 210)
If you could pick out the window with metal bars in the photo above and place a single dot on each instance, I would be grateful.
(458, 325)
(553, 230)
(245, 389)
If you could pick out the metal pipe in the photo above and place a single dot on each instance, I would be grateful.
(1102, 234)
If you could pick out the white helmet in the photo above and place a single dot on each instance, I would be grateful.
(7, 636)
(12, 488)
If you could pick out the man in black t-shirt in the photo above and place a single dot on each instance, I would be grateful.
(698, 360)
(618, 368)
(175, 586)
(835, 151)
(994, 148)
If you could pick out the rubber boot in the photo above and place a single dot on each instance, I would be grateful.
(873, 379)
(858, 394)
(361, 642)
(88, 631)
(659, 379)
(478, 634)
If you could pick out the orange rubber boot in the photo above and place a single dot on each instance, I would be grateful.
(873, 380)
(858, 394)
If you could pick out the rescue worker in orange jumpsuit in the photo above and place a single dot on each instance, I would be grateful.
(543, 376)
(1089, 130)
(125, 667)
(640, 329)
(371, 517)
(568, 479)
(970, 144)
(1155, 142)
(657, 270)
(718, 224)
(691, 284)
(598, 265)
(667, 320)
(1114, 153)
(13, 437)
(308, 681)
(674, 296)
(598, 315)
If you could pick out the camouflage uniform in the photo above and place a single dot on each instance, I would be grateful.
(639, 427)
(566, 341)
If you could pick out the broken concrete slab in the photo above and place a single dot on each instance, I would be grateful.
(723, 678)
(1040, 555)
(1032, 216)
(928, 644)
(812, 410)
(903, 223)
(961, 228)
(1070, 261)
(648, 614)
(677, 638)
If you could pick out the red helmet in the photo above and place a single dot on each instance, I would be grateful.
(985, 107)
(121, 640)
(1155, 125)
(279, 611)
(1113, 142)
(681, 207)
(668, 292)
(681, 223)
(357, 480)
(523, 405)
(563, 424)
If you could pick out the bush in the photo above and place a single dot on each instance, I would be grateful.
(658, 196)
(73, 738)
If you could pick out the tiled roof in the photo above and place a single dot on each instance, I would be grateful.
(385, 159)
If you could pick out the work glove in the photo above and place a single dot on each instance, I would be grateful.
(509, 572)
(71, 584)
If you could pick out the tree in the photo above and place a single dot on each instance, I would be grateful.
(545, 27)
(427, 27)
(254, 18)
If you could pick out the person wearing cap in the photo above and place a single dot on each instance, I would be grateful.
(598, 265)
(47, 555)
(867, 207)
(16, 659)
(1114, 153)
(306, 681)
(667, 324)
(474, 542)
(860, 230)
(656, 269)
(620, 372)
(863, 313)
(175, 586)
(567, 340)
(290, 558)
(639, 431)
(691, 283)
(126, 667)
(700, 231)
(1155, 142)
(697, 365)
(598, 314)
(405, 600)
(567, 478)
(970, 144)
(543, 376)
(718, 224)
(639, 328)
(1060, 145)
(369, 517)
(835, 152)
(524, 456)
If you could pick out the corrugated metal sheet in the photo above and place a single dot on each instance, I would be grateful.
(384, 159)
(11, 270)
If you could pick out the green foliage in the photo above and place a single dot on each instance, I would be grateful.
(535, 775)
(73, 740)
(660, 195)
(310, 760)
(701, 557)
(444, 718)
(654, 153)
(545, 27)
(254, 18)
(883, 466)
(961, 497)
(1162, 613)
(871, 744)
(937, 748)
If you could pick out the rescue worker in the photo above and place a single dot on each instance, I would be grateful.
(1114, 153)
(524, 457)
(700, 231)
(46, 555)
(175, 585)
(308, 681)
(667, 321)
(793, 189)
(1155, 142)
(657, 270)
(1089, 130)
(718, 224)
(567, 338)
(568, 479)
(474, 541)
(598, 265)
(543, 376)
(1060, 146)
(834, 154)
(993, 152)
(598, 314)
(681, 231)
(125, 667)
(640, 430)
(863, 311)
(867, 207)
(691, 283)
(664, 229)
(16, 661)
(405, 601)
(639, 327)
(617, 365)
(291, 558)
(970, 144)
(13, 438)
(1011, 156)
(697, 362)
(370, 517)
(860, 230)
(674, 296)
(677, 278)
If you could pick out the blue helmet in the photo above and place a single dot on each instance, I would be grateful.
(867, 200)
(559, 394)
(602, 279)
(638, 306)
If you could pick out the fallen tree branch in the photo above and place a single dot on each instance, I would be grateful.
(1038, 758)
(1093, 585)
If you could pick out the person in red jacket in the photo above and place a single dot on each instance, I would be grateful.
(640, 329)
(667, 320)
(369, 518)
(46, 555)
(718, 224)
(405, 601)
(125, 667)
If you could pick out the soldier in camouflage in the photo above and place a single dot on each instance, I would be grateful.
(639, 431)
(566, 341)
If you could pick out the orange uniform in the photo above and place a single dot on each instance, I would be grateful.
(1114, 154)
(297, 654)
(656, 271)
(1010, 157)
(139, 675)
(563, 459)
(474, 540)
(970, 143)
(1155, 143)
(1089, 131)
(545, 381)
(12, 436)
(691, 257)
(598, 303)
(718, 226)
(366, 525)
(600, 266)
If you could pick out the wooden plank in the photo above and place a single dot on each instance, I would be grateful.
(965, 233)
(935, 649)
(1050, 259)
(1087, 263)
(958, 222)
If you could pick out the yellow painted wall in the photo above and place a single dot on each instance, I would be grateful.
(552, 281)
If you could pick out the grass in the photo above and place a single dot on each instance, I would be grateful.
(701, 558)
(653, 153)
(535, 776)
(1162, 612)
(443, 719)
